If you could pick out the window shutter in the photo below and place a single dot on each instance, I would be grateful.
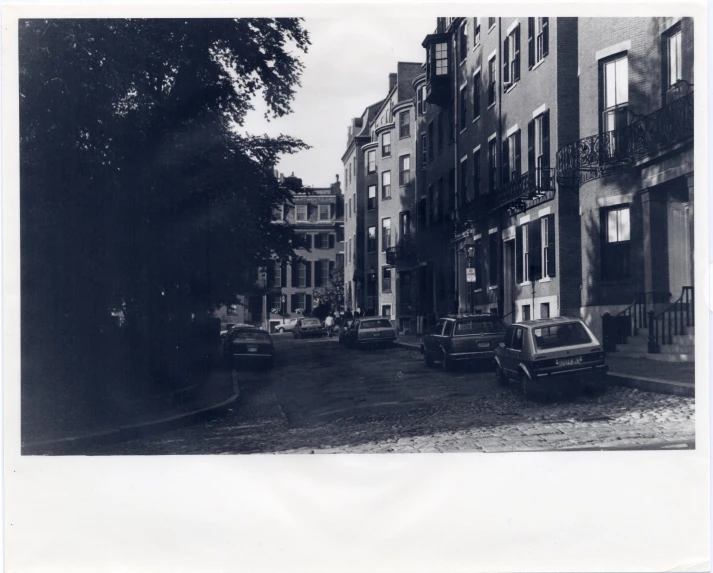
(318, 273)
(516, 73)
(530, 43)
(506, 162)
(551, 246)
(531, 146)
(295, 274)
(308, 238)
(331, 241)
(545, 36)
(308, 274)
(506, 61)
(308, 302)
(331, 269)
(535, 249)
(518, 161)
(283, 275)
(293, 303)
(318, 241)
(546, 148)
(518, 254)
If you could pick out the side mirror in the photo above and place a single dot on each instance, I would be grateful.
(501, 345)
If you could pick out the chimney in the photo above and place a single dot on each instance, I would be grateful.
(392, 81)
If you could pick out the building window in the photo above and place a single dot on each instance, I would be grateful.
(419, 101)
(371, 240)
(511, 58)
(491, 81)
(349, 208)
(674, 72)
(301, 212)
(430, 141)
(404, 170)
(544, 310)
(386, 311)
(476, 173)
(538, 150)
(463, 44)
(349, 251)
(354, 247)
(324, 212)
(385, 144)
(476, 96)
(476, 31)
(300, 301)
(493, 259)
(463, 107)
(404, 224)
(525, 316)
(386, 280)
(385, 234)
(525, 260)
(615, 100)
(371, 161)
(537, 40)
(492, 164)
(425, 103)
(440, 131)
(491, 23)
(386, 185)
(424, 154)
(511, 157)
(404, 124)
(301, 275)
(371, 200)
(345, 175)
(323, 275)
(277, 276)
(442, 59)
(547, 238)
(463, 193)
(616, 247)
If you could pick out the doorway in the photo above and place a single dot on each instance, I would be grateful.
(509, 279)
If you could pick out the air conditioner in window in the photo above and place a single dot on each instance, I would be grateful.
(506, 85)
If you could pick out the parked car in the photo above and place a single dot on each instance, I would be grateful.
(248, 345)
(286, 326)
(463, 337)
(308, 327)
(369, 332)
(551, 354)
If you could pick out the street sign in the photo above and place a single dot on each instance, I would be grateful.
(470, 275)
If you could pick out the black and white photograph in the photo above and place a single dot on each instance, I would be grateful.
(249, 235)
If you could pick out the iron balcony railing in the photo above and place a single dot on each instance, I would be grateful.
(532, 186)
(403, 253)
(611, 152)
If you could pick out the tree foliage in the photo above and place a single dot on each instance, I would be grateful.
(137, 190)
(331, 296)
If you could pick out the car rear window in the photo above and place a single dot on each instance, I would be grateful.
(383, 323)
(559, 335)
(251, 335)
(310, 322)
(480, 326)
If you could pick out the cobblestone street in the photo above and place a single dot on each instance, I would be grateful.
(323, 398)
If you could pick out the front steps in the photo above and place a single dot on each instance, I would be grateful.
(683, 348)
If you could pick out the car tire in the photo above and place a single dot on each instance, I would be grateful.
(528, 390)
(501, 376)
(281, 330)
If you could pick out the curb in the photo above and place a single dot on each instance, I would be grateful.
(64, 446)
(652, 384)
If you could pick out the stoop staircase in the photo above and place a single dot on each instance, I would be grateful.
(668, 336)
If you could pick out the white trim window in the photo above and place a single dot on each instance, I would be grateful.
(386, 184)
(476, 31)
(371, 199)
(537, 40)
(300, 212)
(463, 41)
(525, 253)
(544, 244)
(674, 59)
(615, 99)
(442, 59)
(385, 234)
(511, 58)
(323, 212)
(386, 144)
(404, 170)
(371, 161)
(463, 108)
(492, 70)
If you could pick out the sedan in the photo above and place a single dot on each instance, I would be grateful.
(308, 327)
(245, 346)
(369, 332)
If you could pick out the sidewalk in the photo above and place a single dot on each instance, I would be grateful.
(136, 419)
(652, 376)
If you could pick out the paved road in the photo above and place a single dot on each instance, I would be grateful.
(322, 397)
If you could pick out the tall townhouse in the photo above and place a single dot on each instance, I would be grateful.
(316, 214)
(355, 207)
(633, 172)
(510, 85)
(391, 196)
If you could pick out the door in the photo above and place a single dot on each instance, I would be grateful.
(432, 341)
(514, 352)
(509, 280)
(679, 248)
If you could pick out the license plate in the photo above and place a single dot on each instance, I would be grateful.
(252, 348)
(377, 334)
(483, 344)
(569, 361)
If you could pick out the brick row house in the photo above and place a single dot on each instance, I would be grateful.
(543, 184)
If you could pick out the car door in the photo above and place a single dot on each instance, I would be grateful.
(353, 332)
(515, 351)
(445, 338)
(430, 341)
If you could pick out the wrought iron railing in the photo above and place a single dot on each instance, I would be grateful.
(618, 328)
(673, 321)
(403, 253)
(611, 152)
(529, 187)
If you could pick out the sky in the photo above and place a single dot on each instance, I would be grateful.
(346, 69)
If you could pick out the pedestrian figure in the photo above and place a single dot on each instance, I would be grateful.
(329, 323)
(348, 315)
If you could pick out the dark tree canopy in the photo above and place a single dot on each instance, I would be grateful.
(137, 191)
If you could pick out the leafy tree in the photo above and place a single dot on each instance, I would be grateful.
(138, 190)
(332, 296)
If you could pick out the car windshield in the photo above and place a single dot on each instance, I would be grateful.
(382, 323)
(256, 335)
(480, 326)
(310, 322)
(559, 335)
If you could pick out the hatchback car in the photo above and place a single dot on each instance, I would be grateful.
(465, 337)
(248, 346)
(287, 326)
(369, 332)
(551, 355)
(308, 327)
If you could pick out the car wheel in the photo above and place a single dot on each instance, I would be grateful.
(281, 330)
(501, 376)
